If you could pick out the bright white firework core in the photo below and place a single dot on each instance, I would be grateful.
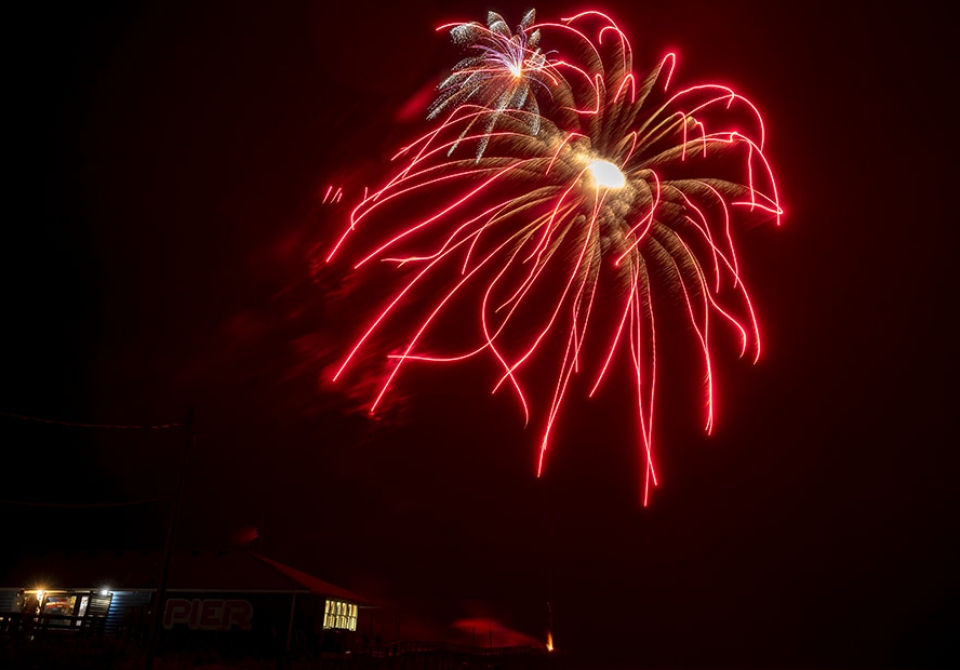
(606, 174)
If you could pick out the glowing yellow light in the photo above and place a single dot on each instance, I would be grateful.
(549, 641)
(515, 70)
(606, 174)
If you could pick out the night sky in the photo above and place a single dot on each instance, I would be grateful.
(162, 199)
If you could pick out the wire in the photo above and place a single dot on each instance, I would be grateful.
(98, 426)
(23, 503)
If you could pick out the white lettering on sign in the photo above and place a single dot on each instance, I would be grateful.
(213, 614)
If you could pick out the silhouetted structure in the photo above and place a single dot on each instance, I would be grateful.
(236, 601)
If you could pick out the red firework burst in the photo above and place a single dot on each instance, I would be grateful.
(552, 197)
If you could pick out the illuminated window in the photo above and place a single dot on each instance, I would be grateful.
(59, 604)
(340, 615)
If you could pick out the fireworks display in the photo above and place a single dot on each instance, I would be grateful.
(557, 204)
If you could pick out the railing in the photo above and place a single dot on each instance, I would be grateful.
(9, 621)
(89, 624)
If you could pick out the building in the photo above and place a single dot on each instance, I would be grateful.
(234, 600)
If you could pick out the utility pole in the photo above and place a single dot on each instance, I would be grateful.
(260, 532)
(154, 636)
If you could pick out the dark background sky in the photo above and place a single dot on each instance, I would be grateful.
(164, 166)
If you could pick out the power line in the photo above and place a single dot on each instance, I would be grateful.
(96, 426)
(129, 503)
